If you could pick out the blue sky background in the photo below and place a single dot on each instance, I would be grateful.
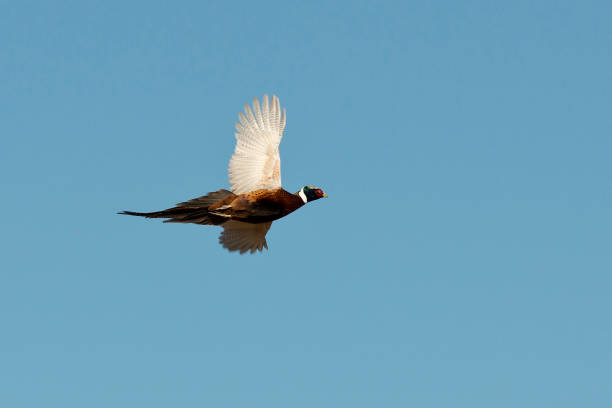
(461, 259)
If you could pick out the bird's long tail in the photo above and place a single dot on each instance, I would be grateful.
(184, 215)
(193, 211)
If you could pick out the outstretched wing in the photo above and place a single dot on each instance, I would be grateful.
(243, 236)
(255, 164)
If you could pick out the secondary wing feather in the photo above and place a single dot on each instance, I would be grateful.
(243, 237)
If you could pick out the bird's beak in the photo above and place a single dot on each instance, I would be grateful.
(324, 195)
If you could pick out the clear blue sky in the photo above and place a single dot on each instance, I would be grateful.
(462, 259)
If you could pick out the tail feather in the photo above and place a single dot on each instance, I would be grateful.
(193, 211)
(197, 216)
(182, 215)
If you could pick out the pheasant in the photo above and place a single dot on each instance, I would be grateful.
(256, 198)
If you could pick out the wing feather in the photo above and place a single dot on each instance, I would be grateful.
(266, 108)
(243, 237)
(255, 164)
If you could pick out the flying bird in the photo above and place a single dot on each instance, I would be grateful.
(256, 198)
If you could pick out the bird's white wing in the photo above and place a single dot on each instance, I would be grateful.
(255, 164)
(243, 237)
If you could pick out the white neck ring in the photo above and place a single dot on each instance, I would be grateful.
(303, 196)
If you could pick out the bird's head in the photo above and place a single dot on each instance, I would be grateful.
(311, 193)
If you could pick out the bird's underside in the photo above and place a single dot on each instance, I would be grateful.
(245, 218)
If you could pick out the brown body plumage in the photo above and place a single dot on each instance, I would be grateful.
(215, 208)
